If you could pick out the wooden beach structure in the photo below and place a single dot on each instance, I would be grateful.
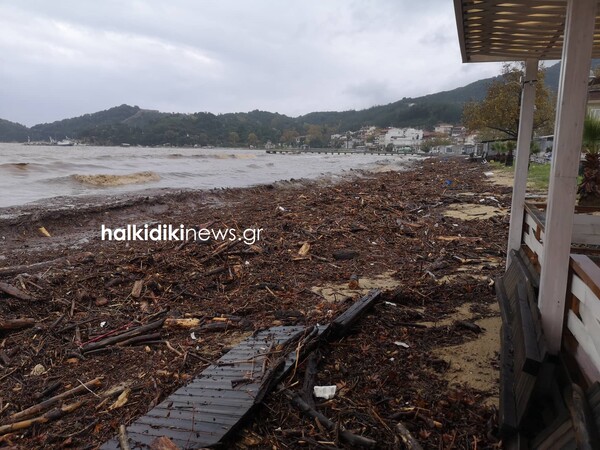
(550, 293)
(338, 151)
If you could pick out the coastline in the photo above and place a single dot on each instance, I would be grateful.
(395, 223)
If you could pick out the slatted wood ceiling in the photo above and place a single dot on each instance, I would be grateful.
(513, 30)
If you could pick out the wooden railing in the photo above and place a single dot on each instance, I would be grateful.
(581, 339)
(582, 333)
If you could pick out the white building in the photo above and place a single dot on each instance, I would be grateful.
(443, 128)
(403, 137)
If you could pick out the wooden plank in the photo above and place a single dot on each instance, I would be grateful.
(507, 412)
(586, 346)
(591, 324)
(535, 246)
(344, 321)
(207, 409)
(588, 271)
(190, 414)
(199, 424)
(527, 269)
(572, 97)
(532, 360)
(522, 157)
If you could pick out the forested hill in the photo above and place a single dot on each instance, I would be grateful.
(134, 125)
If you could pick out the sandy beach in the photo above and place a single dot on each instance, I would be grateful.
(432, 238)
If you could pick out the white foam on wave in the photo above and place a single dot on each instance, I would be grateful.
(117, 180)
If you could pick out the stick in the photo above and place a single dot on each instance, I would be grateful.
(220, 249)
(123, 438)
(16, 324)
(310, 375)
(346, 436)
(14, 292)
(30, 268)
(53, 414)
(140, 339)
(52, 400)
(122, 337)
(409, 441)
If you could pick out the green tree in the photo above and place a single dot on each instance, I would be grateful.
(233, 138)
(252, 139)
(497, 115)
(288, 136)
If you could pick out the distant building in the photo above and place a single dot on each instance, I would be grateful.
(443, 128)
(402, 137)
(593, 104)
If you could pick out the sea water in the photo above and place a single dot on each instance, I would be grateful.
(32, 173)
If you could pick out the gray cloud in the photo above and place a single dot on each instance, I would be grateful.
(62, 59)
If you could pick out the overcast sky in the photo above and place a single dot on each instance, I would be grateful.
(65, 58)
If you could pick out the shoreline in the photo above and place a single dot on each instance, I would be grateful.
(435, 268)
(135, 207)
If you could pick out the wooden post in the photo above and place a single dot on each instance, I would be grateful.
(522, 159)
(571, 105)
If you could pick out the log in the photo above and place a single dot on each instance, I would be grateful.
(53, 414)
(14, 292)
(16, 324)
(407, 439)
(52, 400)
(346, 436)
(122, 337)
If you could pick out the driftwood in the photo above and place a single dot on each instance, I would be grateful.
(48, 390)
(136, 291)
(52, 400)
(53, 414)
(137, 340)
(346, 436)
(181, 323)
(16, 324)
(269, 379)
(123, 438)
(310, 375)
(14, 292)
(122, 337)
(30, 268)
(407, 439)
(220, 249)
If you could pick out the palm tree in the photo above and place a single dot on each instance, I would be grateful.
(589, 188)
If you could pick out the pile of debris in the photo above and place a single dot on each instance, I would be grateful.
(93, 337)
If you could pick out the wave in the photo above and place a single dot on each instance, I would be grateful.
(116, 180)
(11, 166)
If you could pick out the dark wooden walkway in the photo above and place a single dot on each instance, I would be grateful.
(210, 407)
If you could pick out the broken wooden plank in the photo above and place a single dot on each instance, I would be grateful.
(209, 408)
(344, 321)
